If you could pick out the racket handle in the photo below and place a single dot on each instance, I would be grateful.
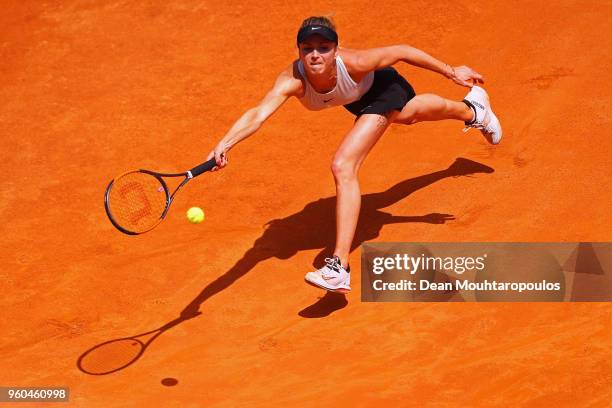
(204, 167)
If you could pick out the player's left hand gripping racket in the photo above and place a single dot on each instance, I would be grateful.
(137, 201)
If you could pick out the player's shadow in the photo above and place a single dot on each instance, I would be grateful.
(311, 228)
(314, 228)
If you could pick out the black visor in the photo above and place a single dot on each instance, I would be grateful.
(321, 30)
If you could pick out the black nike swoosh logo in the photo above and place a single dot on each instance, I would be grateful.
(325, 101)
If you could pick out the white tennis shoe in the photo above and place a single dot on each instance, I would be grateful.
(484, 119)
(332, 277)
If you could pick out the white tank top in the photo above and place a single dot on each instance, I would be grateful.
(345, 91)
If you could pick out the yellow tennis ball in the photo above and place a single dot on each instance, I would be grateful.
(195, 215)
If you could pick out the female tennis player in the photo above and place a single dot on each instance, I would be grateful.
(363, 81)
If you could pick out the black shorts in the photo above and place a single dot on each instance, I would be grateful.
(389, 91)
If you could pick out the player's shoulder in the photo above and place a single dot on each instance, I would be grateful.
(349, 55)
(354, 58)
(291, 80)
(356, 61)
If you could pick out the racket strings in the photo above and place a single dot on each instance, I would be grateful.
(137, 201)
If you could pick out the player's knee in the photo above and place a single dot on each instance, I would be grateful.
(408, 116)
(342, 169)
(411, 119)
(411, 113)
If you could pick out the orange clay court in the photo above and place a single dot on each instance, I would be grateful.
(93, 88)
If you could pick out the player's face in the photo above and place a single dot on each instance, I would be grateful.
(318, 54)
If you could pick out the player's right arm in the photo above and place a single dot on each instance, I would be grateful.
(286, 85)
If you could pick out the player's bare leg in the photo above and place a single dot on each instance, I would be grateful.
(430, 107)
(352, 152)
(475, 111)
(345, 166)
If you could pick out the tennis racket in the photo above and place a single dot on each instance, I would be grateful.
(137, 201)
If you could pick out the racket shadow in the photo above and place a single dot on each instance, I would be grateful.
(115, 355)
(311, 228)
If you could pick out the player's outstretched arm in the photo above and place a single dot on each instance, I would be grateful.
(284, 87)
(377, 58)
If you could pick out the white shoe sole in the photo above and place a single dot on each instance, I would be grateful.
(500, 134)
(493, 117)
(321, 284)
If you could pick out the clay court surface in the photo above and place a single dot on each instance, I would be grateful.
(93, 88)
